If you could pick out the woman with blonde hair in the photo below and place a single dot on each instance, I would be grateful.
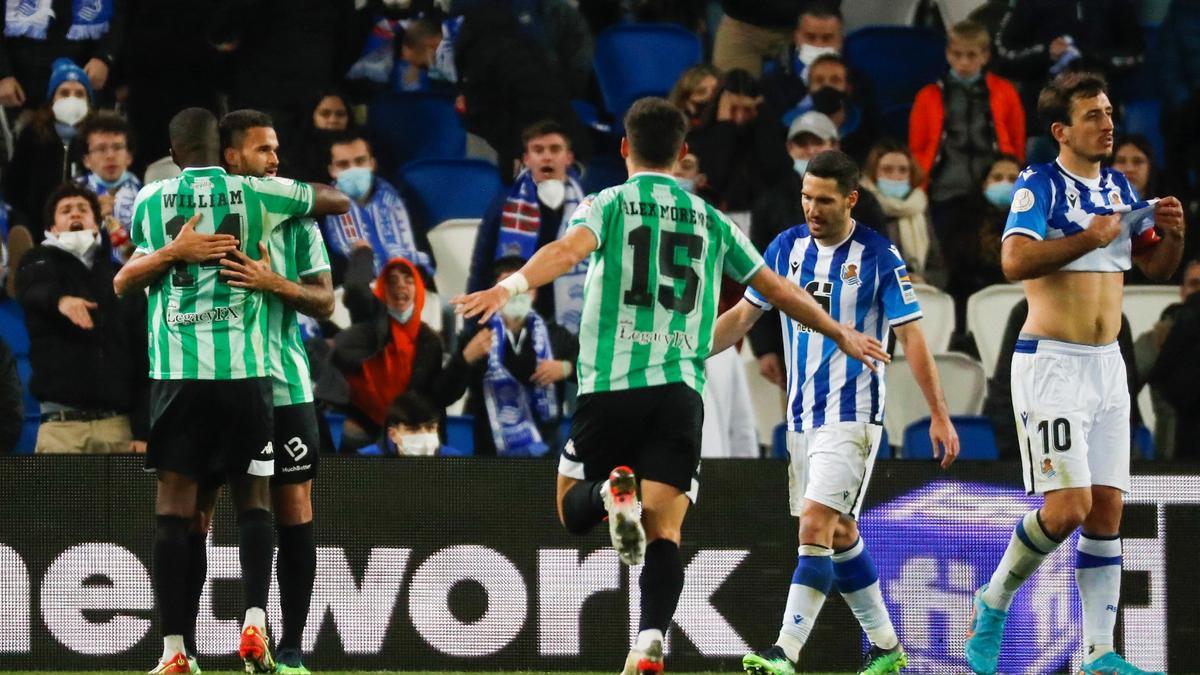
(694, 90)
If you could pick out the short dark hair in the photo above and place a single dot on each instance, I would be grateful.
(837, 165)
(234, 125)
(345, 137)
(544, 128)
(1054, 102)
(65, 191)
(507, 263)
(194, 131)
(421, 29)
(821, 10)
(655, 130)
(105, 122)
(412, 410)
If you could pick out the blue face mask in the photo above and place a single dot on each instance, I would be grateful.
(687, 184)
(355, 183)
(116, 183)
(401, 316)
(999, 194)
(965, 80)
(896, 189)
(800, 165)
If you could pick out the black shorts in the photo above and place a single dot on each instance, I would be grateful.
(205, 428)
(653, 430)
(297, 443)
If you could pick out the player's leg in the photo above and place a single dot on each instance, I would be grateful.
(661, 581)
(297, 440)
(175, 504)
(206, 503)
(600, 447)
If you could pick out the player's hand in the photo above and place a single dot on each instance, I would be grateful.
(11, 93)
(137, 447)
(548, 372)
(770, 366)
(482, 304)
(945, 440)
(479, 346)
(1104, 229)
(360, 243)
(246, 272)
(1168, 216)
(193, 247)
(97, 72)
(862, 347)
(77, 310)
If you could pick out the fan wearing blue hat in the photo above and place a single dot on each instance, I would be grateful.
(42, 158)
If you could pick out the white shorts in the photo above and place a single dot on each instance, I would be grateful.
(1071, 405)
(831, 465)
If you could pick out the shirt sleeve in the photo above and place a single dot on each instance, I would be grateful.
(771, 260)
(138, 233)
(310, 252)
(896, 288)
(590, 214)
(284, 198)
(1031, 204)
(742, 260)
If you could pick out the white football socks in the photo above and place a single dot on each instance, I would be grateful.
(1027, 549)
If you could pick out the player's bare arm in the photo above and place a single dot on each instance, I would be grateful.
(550, 262)
(1161, 261)
(799, 305)
(328, 201)
(189, 246)
(313, 295)
(733, 326)
(1024, 258)
(920, 359)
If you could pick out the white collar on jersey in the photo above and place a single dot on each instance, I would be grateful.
(827, 247)
(659, 174)
(1090, 182)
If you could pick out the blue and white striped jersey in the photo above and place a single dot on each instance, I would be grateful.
(861, 282)
(1049, 202)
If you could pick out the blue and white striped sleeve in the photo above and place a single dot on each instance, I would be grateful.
(771, 258)
(1031, 205)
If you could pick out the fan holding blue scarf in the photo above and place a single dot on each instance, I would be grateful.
(513, 367)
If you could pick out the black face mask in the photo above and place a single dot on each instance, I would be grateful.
(828, 100)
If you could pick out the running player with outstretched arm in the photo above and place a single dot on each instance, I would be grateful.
(650, 298)
(835, 406)
(1074, 228)
(210, 392)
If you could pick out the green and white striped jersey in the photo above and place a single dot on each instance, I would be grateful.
(297, 250)
(650, 298)
(200, 327)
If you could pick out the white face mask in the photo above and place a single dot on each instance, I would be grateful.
(552, 192)
(79, 243)
(419, 445)
(517, 307)
(70, 110)
(808, 53)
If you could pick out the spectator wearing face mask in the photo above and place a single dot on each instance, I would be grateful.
(513, 368)
(411, 430)
(895, 178)
(835, 91)
(387, 351)
(42, 157)
(693, 91)
(688, 174)
(739, 143)
(751, 31)
(818, 32)
(87, 347)
(377, 213)
(107, 155)
(532, 213)
(780, 208)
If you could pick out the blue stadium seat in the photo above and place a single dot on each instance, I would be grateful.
(12, 327)
(335, 420)
(641, 59)
(1143, 442)
(13, 332)
(874, 50)
(408, 126)
(449, 188)
(975, 435)
(1144, 116)
(602, 172)
(895, 121)
(460, 434)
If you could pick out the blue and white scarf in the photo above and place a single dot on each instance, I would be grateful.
(31, 18)
(124, 192)
(384, 223)
(519, 225)
(515, 410)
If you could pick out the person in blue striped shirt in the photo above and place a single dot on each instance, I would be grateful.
(835, 405)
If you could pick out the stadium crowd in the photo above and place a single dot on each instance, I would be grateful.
(88, 96)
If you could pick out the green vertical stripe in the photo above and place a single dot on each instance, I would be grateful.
(678, 322)
(609, 287)
(646, 318)
(254, 348)
(222, 293)
(190, 367)
(156, 311)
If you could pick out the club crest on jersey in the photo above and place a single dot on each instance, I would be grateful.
(906, 287)
(1048, 469)
(850, 274)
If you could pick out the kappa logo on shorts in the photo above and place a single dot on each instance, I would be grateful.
(268, 450)
(1048, 470)
(296, 448)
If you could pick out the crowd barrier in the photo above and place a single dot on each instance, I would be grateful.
(460, 564)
